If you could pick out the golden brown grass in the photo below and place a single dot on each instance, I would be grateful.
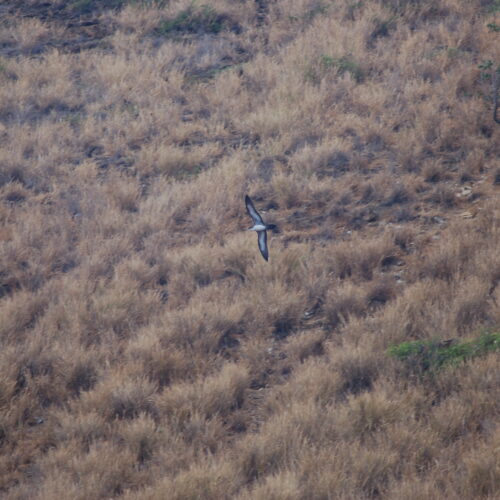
(147, 349)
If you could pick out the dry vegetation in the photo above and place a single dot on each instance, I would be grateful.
(147, 350)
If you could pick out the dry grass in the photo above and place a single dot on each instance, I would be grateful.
(147, 349)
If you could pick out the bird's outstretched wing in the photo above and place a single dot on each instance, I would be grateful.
(262, 236)
(257, 219)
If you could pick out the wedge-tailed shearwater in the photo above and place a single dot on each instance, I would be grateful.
(260, 226)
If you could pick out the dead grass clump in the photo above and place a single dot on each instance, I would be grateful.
(381, 292)
(35, 252)
(142, 436)
(433, 172)
(453, 254)
(303, 346)
(124, 194)
(472, 305)
(442, 195)
(27, 33)
(286, 318)
(83, 376)
(373, 471)
(200, 272)
(330, 158)
(418, 447)
(120, 308)
(52, 81)
(203, 19)
(400, 194)
(237, 259)
(130, 400)
(366, 413)
(39, 369)
(420, 312)
(316, 380)
(120, 398)
(452, 421)
(359, 259)
(404, 238)
(358, 372)
(482, 476)
(474, 381)
(179, 162)
(13, 192)
(279, 486)
(120, 474)
(279, 310)
(19, 313)
(204, 480)
(162, 366)
(343, 301)
(83, 428)
(217, 394)
(276, 446)
(202, 327)
(327, 65)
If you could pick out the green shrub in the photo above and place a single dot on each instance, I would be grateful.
(433, 354)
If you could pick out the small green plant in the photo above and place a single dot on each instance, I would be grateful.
(74, 118)
(188, 173)
(450, 52)
(346, 64)
(454, 52)
(487, 71)
(493, 27)
(3, 66)
(193, 19)
(422, 356)
(327, 61)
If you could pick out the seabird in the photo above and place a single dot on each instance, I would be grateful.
(260, 226)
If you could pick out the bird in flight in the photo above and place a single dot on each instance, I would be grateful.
(260, 226)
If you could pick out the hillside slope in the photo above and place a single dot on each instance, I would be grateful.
(147, 349)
